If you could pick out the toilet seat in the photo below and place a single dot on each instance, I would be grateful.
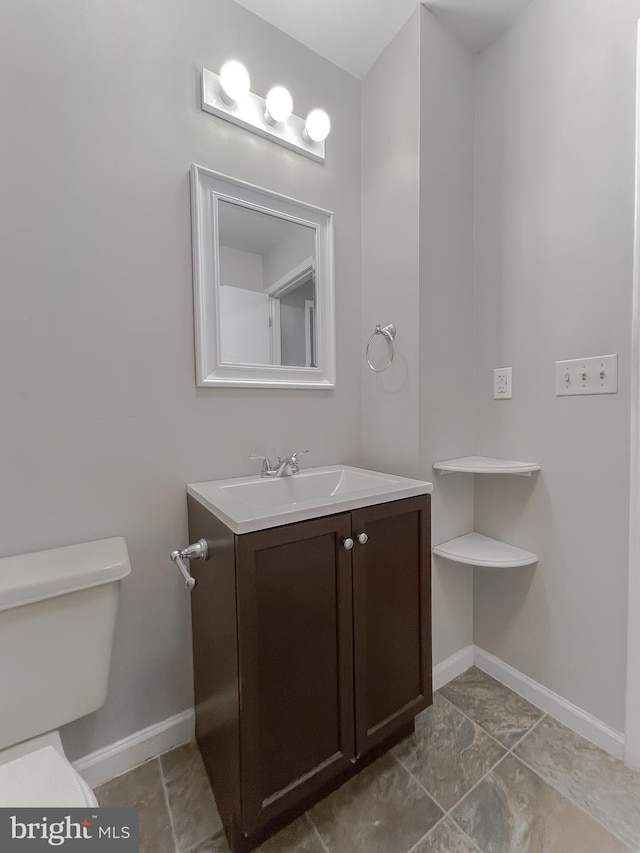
(43, 778)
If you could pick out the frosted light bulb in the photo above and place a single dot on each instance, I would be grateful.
(235, 81)
(279, 104)
(317, 126)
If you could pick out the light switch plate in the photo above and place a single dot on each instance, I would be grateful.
(503, 383)
(579, 376)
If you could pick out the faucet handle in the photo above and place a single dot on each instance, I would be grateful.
(293, 460)
(266, 463)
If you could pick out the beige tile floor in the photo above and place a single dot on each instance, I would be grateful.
(485, 772)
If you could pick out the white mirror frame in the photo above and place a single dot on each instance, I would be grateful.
(207, 189)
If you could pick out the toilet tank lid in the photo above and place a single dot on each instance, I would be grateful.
(27, 578)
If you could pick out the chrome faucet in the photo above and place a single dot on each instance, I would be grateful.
(284, 468)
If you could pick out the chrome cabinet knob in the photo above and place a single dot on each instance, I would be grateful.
(348, 544)
(362, 538)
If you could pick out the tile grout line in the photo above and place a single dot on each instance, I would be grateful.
(430, 795)
(526, 734)
(533, 770)
(493, 738)
(447, 812)
(423, 837)
(574, 803)
(499, 761)
(206, 837)
(433, 829)
(317, 832)
(548, 782)
(192, 847)
(489, 772)
(511, 751)
(168, 804)
(467, 717)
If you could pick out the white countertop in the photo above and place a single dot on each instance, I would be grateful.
(247, 504)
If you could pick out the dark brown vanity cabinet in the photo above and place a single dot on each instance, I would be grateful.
(309, 655)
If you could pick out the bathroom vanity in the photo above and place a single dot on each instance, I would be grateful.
(311, 635)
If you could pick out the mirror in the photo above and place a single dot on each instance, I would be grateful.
(263, 287)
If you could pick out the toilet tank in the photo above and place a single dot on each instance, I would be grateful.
(57, 620)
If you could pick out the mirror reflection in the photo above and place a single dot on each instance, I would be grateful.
(267, 295)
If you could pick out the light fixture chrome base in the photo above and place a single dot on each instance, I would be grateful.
(250, 114)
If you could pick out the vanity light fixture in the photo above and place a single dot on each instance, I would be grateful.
(279, 105)
(228, 95)
(235, 83)
(317, 126)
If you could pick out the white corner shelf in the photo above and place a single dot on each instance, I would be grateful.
(485, 465)
(474, 549)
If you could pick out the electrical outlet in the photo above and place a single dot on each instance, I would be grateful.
(502, 383)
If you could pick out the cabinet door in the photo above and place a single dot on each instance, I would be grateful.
(295, 661)
(392, 617)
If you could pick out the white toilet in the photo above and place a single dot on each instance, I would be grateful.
(57, 619)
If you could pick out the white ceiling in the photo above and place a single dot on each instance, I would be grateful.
(251, 231)
(476, 22)
(349, 33)
(353, 33)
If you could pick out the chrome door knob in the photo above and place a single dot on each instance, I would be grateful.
(362, 538)
(348, 544)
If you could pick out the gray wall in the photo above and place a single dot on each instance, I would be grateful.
(554, 252)
(102, 423)
(240, 269)
(288, 253)
(446, 313)
(391, 250)
(417, 213)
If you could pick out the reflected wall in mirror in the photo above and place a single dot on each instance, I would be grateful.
(263, 286)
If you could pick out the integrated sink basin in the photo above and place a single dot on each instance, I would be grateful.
(307, 486)
(246, 504)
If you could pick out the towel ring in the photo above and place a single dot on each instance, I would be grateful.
(389, 332)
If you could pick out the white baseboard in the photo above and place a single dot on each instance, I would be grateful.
(105, 764)
(452, 667)
(118, 758)
(551, 703)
